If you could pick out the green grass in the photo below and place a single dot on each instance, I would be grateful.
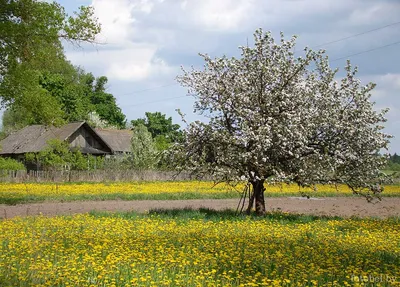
(34, 198)
(6, 199)
(207, 214)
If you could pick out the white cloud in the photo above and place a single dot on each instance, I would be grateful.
(163, 22)
(379, 11)
(392, 80)
(222, 15)
(238, 15)
(133, 63)
(387, 95)
(118, 16)
(115, 18)
(122, 58)
(387, 85)
(137, 64)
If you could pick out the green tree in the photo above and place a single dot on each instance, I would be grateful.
(29, 29)
(10, 164)
(80, 93)
(20, 91)
(58, 156)
(395, 158)
(32, 57)
(105, 104)
(69, 88)
(160, 126)
(393, 163)
(143, 149)
(75, 95)
(12, 120)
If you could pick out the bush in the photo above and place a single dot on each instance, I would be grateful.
(59, 156)
(10, 164)
(393, 166)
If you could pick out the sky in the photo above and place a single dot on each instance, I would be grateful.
(144, 44)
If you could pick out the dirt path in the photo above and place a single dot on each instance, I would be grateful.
(340, 206)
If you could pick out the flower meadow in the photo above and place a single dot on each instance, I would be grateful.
(29, 192)
(159, 250)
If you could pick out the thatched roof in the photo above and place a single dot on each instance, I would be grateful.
(118, 140)
(35, 138)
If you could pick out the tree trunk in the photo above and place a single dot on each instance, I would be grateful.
(251, 202)
(258, 190)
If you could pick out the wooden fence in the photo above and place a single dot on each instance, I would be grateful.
(91, 176)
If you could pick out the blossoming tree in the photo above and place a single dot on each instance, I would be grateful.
(277, 117)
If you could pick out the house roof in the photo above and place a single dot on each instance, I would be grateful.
(119, 140)
(34, 138)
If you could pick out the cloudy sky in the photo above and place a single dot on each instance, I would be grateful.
(144, 43)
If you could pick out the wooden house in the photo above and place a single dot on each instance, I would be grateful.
(118, 140)
(35, 138)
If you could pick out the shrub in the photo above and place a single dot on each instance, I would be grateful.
(10, 164)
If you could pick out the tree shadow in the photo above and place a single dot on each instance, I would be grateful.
(229, 214)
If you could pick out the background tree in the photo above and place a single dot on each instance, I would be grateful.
(12, 120)
(7, 164)
(160, 127)
(70, 94)
(105, 104)
(95, 121)
(277, 117)
(36, 80)
(395, 158)
(30, 31)
(163, 132)
(393, 163)
(58, 156)
(70, 89)
(143, 149)
(80, 93)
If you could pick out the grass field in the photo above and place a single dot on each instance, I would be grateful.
(34, 192)
(198, 248)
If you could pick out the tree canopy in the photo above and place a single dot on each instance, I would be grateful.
(159, 125)
(105, 104)
(275, 117)
(144, 154)
(37, 83)
(163, 132)
(59, 156)
(30, 30)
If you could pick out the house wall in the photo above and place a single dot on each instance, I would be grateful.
(83, 138)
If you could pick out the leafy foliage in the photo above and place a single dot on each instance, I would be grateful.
(58, 156)
(37, 84)
(23, 96)
(164, 134)
(395, 158)
(160, 126)
(393, 163)
(81, 94)
(10, 164)
(275, 117)
(143, 148)
(29, 29)
(62, 96)
(105, 104)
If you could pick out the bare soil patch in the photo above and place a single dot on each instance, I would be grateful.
(339, 206)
